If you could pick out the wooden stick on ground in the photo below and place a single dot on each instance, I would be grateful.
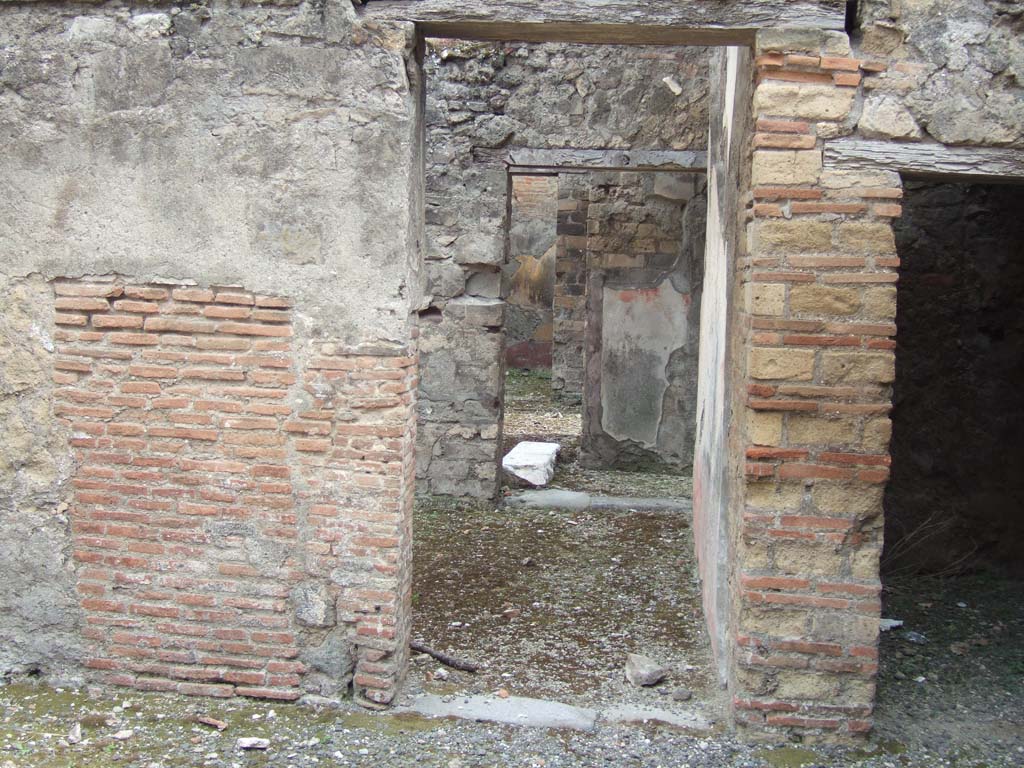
(444, 658)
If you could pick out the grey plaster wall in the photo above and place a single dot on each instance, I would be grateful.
(274, 147)
(267, 146)
(482, 100)
(644, 262)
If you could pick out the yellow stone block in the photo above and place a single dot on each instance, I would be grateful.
(781, 363)
(824, 300)
(803, 236)
(858, 367)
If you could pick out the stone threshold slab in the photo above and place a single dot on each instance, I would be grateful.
(552, 498)
(540, 713)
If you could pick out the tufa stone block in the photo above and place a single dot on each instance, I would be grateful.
(780, 497)
(857, 501)
(786, 166)
(877, 435)
(810, 101)
(808, 558)
(793, 684)
(800, 236)
(770, 363)
(858, 368)
(824, 300)
(867, 237)
(764, 428)
(880, 302)
(766, 299)
(817, 430)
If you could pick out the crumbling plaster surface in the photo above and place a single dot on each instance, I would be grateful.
(640, 330)
(645, 257)
(276, 148)
(38, 603)
(481, 100)
(270, 146)
(963, 80)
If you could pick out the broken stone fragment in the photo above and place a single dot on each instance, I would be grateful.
(885, 117)
(532, 462)
(252, 742)
(313, 605)
(644, 671)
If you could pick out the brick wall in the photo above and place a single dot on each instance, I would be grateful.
(242, 502)
(570, 285)
(818, 322)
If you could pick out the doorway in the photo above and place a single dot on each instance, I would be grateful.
(548, 599)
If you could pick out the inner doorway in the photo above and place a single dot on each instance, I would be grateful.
(602, 323)
(551, 599)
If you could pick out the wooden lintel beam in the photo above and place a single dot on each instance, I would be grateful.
(547, 160)
(615, 22)
(927, 160)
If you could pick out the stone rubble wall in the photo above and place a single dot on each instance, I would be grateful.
(481, 101)
(40, 618)
(208, 377)
(956, 74)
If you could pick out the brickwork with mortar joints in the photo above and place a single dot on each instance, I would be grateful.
(819, 321)
(239, 505)
(570, 286)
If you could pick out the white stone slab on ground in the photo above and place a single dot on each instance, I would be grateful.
(515, 710)
(531, 461)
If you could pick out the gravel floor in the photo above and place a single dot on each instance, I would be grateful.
(967, 712)
(551, 602)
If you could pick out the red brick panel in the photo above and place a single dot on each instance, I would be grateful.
(214, 476)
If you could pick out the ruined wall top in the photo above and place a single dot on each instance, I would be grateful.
(962, 77)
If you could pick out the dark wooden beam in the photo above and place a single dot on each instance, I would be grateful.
(927, 160)
(617, 22)
(535, 160)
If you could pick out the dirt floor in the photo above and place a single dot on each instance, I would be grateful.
(952, 677)
(552, 602)
(956, 701)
